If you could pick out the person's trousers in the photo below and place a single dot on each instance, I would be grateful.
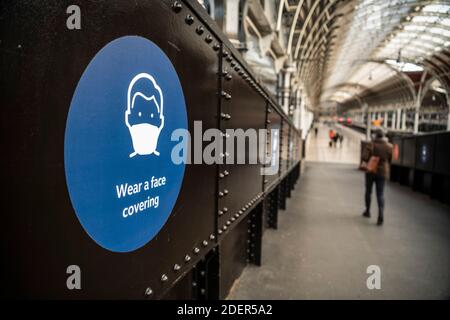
(379, 185)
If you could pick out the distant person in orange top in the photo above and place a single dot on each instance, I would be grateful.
(331, 134)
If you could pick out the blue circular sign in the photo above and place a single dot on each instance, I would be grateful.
(117, 149)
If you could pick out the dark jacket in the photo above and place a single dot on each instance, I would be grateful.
(383, 149)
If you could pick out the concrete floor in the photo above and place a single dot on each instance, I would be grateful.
(323, 246)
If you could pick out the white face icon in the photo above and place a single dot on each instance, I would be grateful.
(144, 115)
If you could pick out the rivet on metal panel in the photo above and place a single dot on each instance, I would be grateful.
(219, 231)
(227, 96)
(148, 291)
(208, 38)
(196, 250)
(205, 243)
(228, 77)
(228, 222)
(236, 215)
(225, 116)
(233, 219)
(229, 58)
(187, 258)
(221, 175)
(225, 209)
(232, 63)
(164, 278)
(176, 6)
(189, 19)
(212, 237)
(220, 212)
(225, 53)
(199, 30)
(176, 267)
(225, 228)
(221, 194)
(216, 46)
(225, 191)
(226, 172)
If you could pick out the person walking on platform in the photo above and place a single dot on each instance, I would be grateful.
(336, 138)
(376, 161)
(331, 134)
(341, 138)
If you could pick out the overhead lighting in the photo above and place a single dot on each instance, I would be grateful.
(404, 66)
(439, 8)
(426, 19)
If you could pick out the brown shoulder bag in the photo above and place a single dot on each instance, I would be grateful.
(372, 165)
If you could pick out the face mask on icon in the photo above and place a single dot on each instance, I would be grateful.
(145, 138)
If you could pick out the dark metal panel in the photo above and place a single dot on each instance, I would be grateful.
(273, 123)
(442, 161)
(39, 73)
(233, 256)
(242, 107)
(255, 234)
(409, 152)
(425, 148)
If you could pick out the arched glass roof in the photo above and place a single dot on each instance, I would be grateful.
(348, 50)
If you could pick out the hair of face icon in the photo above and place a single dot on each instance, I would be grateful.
(144, 102)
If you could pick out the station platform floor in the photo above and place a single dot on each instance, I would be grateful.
(323, 245)
(318, 149)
